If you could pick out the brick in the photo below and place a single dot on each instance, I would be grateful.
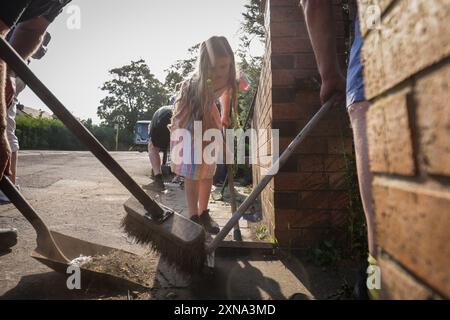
(285, 3)
(371, 58)
(334, 163)
(283, 77)
(296, 219)
(298, 238)
(414, 35)
(323, 200)
(412, 225)
(340, 145)
(390, 135)
(286, 128)
(287, 111)
(370, 11)
(432, 96)
(283, 95)
(398, 284)
(307, 98)
(288, 238)
(291, 45)
(399, 142)
(290, 166)
(311, 145)
(289, 29)
(310, 163)
(283, 62)
(339, 218)
(305, 61)
(300, 181)
(338, 181)
(311, 237)
(285, 200)
(338, 200)
(314, 200)
(284, 14)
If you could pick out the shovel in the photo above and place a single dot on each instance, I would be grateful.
(57, 250)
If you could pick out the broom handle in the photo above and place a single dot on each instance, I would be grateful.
(230, 179)
(266, 179)
(247, 118)
(15, 62)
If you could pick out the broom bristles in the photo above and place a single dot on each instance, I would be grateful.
(187, 257)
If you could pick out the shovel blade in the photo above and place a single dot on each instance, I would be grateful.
(72, 248)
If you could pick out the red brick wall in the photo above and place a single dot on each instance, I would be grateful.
(407, 72)
(308, 197)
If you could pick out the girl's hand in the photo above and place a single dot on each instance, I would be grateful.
(226, 121)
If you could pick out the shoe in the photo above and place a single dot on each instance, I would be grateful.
(157, 184)
(8, 238)
(208, 223)
(196, 219)
(360, 291)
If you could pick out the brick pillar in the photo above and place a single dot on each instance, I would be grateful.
(308, 197)
(407, 72)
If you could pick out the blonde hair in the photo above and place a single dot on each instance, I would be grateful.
(196, 95)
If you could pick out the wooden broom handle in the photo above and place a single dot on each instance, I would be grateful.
(15, 62)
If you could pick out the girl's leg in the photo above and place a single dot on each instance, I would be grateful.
(208, 223)
(191, 188)
(205, 186)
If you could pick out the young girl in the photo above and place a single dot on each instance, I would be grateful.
(196, 101)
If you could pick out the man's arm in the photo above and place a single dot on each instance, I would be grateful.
(320, 23)
(28, 35)
(26, 40)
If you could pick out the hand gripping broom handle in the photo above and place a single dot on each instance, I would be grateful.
(265, 180)
(15, 62)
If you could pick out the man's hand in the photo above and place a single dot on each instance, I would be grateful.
(321, 28)
(331, 86)
(5, 156)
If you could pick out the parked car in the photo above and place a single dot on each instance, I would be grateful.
(140, 139)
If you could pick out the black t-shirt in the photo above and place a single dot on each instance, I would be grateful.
(17, 11)
(158, 131)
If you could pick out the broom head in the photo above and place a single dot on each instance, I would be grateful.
(180, 241)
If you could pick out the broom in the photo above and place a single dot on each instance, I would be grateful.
(176, 237)
(199, 257)
(270, 174)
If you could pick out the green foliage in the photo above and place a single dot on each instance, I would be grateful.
(253, 25)
(180, 70)
(51, 134)
(326, 253)
(134, 93)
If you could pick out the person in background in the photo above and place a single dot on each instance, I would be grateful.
(30, 20)
(158, 140)
(11, 116)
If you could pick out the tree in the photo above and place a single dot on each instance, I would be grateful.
(252, 28)
(134, 93)
(253, 25)
(179, 71)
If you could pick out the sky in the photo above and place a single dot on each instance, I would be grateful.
(93, 36)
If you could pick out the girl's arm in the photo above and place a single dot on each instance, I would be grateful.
(225, 101)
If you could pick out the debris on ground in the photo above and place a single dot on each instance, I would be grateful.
(131, 267)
